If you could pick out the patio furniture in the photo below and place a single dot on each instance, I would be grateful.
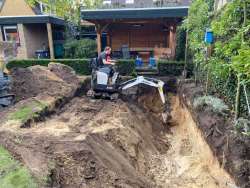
(152, 62)
(138, 62)
(42, 54)
(125, 52)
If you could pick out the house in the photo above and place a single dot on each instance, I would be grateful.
(143, 27)
(34, 31)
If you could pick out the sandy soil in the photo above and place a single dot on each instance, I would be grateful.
(102, 144)
(96, 143)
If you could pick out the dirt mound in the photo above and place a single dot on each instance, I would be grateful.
(57, 79)
(64, 72)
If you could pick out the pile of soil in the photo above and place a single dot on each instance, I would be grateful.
(231, 148)
(54, 80)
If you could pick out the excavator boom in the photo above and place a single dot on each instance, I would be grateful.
(146, 81)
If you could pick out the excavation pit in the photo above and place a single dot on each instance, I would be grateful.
(100, 143)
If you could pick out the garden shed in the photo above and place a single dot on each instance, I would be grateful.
(140, 30)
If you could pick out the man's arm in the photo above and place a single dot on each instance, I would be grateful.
(109, 62)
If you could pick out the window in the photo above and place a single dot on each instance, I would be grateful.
(107, 2)
(11, 34)
(129, 1)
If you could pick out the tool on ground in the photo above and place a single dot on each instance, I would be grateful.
(7, 51)
(105, 82)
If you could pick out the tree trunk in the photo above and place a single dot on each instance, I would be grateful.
(237, 99)
(186, 55)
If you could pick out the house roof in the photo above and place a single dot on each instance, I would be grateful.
(146, 3)
(135, 13)
(31, 19)
(15, 8)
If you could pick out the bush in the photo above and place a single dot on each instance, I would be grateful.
(173, 68)
(126, 67)
(243, 126)
(217, 105)
(84, 48)
(181, 43)
(81, 66)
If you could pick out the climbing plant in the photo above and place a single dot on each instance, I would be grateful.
(229, 65)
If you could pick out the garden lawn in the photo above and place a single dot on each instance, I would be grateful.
(13, 174)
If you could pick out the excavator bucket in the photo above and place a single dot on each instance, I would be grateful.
(152, 82)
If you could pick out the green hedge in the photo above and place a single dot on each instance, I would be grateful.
(81, 66)
(173, 68)
(126, 67)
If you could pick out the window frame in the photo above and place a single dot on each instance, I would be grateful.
(5, 33)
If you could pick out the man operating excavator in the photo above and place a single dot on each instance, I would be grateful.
(105, 57)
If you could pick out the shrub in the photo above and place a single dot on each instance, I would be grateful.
(217, 105)
(84, 48)
(243, 126)
(181, 43)
(173, 68)
(81, 66)
(126, 66)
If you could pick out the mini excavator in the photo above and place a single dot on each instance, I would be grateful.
(105, 82)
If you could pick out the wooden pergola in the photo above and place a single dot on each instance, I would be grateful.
(140, 29)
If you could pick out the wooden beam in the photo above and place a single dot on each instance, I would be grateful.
(103, 28)
(172, 39)
(108, 39)
(50, 38)
(99, 39)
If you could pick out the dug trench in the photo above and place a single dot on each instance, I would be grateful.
(124, 143)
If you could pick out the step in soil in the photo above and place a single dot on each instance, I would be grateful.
(101, 144)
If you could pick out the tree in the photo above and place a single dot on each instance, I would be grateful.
(67, 9)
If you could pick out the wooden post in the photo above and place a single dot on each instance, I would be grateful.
(50, 38)
(186, 56)
(172, 39)
(237, 99)
(1, 38)
(99, 39)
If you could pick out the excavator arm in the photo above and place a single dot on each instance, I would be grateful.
(146, 81)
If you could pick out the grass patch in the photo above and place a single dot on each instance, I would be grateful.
(13, 174)
(28, 111)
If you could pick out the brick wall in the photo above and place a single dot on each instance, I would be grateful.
(35, 36)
